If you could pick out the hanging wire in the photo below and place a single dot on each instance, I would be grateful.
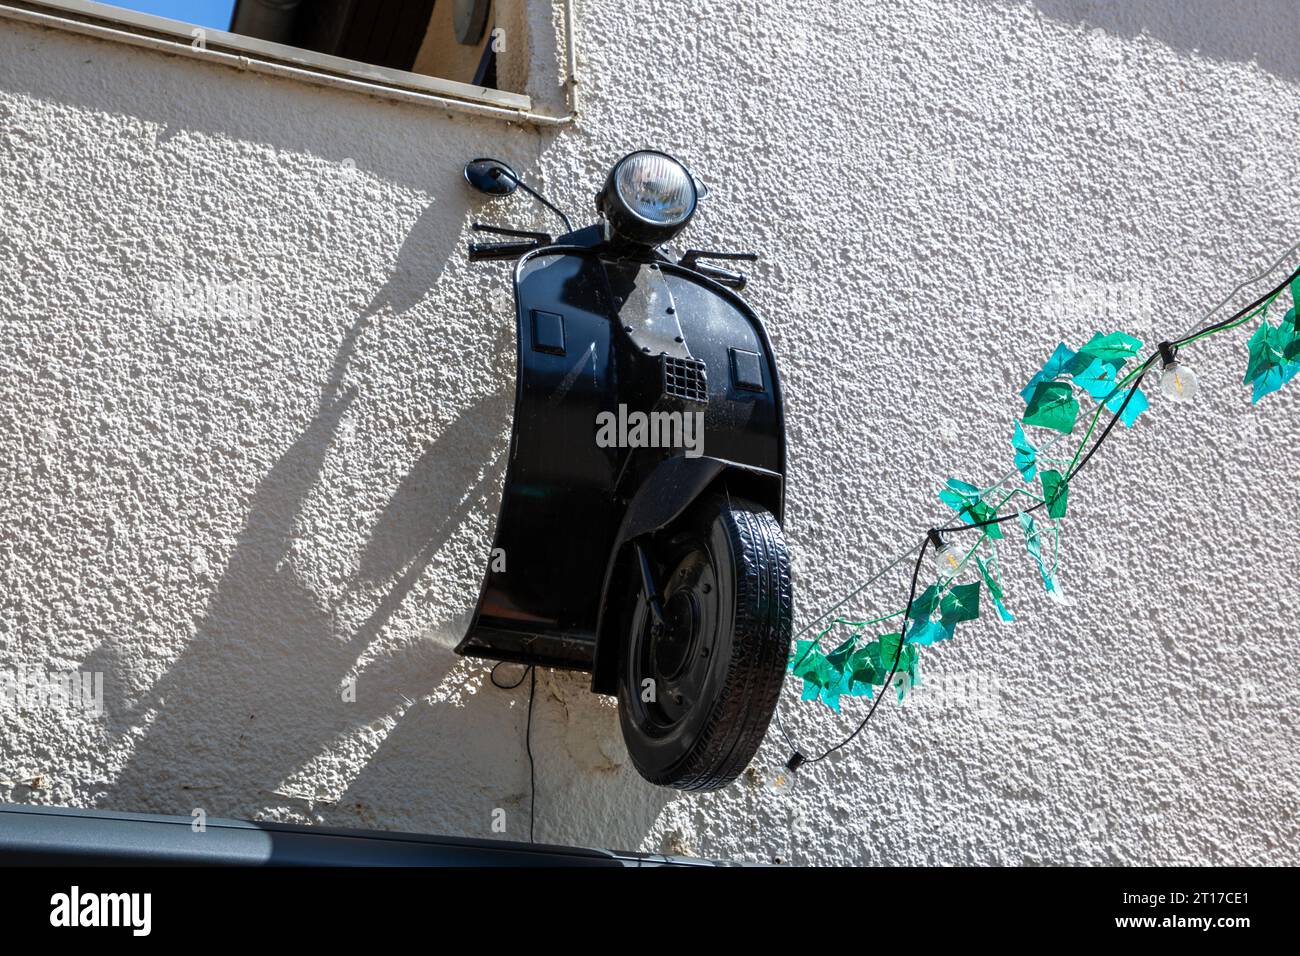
(529, 674)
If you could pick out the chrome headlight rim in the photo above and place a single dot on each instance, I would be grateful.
(626, 222)
(686, 175)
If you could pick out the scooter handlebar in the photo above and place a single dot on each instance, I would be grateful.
(480, 251)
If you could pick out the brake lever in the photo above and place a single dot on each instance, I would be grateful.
(733, 280)
(693, 256)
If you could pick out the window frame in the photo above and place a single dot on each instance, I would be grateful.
(278, 59)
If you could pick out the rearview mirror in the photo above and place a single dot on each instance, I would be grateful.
(491, 177)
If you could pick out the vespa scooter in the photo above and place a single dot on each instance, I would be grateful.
(639, 535)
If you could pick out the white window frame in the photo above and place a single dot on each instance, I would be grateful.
(277, 59)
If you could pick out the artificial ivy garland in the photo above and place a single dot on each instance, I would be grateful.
(885, 651)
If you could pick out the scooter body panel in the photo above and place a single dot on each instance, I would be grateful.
(600, 339)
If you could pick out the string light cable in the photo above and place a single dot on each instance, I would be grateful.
(1177, 383)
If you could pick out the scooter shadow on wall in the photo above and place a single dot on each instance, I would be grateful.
(257, 692)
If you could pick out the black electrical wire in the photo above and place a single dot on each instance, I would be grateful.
(1219, 326)
(898, 656)
(500, 686)
(1145, 367)
(530, 673)
(528, 746)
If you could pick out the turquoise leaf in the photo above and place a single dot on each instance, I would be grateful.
(1026, 454)
(1115, 348)
(832, 692)
(995, 589)
(1098, 379)
(1133, 409)
(931, 632)
(965, 499)
(1034, 545)
(1055, 366)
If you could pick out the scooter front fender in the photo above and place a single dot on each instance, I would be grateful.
(666, 494)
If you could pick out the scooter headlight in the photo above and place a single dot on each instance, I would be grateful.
(648, 198)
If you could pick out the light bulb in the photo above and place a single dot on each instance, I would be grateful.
(786, 777)
(1178, 382)
(948, 560)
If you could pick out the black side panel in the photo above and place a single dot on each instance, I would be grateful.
(558, 517)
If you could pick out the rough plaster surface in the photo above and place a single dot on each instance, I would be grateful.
(253, 405)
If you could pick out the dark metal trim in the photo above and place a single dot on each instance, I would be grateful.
(44, 836)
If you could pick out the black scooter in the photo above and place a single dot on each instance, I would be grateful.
(639, 536)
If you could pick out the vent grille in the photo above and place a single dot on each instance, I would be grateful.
(685, 378)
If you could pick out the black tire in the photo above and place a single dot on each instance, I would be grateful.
(716, 672)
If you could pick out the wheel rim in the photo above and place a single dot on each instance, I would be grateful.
(679, 656)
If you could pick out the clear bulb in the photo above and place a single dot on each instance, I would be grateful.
(786, 777)
(948, 560)
(1178, 382)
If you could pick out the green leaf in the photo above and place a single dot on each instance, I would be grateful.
(825, 676)
(1026, 454)
(965, 499)
(1053, 406)
(889, 649)
(840, 656)
(1290, 336)
(1268, 368)
(924, 605)
(995, 590)
(1115, 348)
(865, 670)
(807, 660)
(1056, 492)
(962, 603)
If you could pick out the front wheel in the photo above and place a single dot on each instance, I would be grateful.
(696, 695)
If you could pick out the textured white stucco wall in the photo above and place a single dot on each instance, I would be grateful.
(229, 506)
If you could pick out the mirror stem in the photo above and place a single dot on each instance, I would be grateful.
(568, 226)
